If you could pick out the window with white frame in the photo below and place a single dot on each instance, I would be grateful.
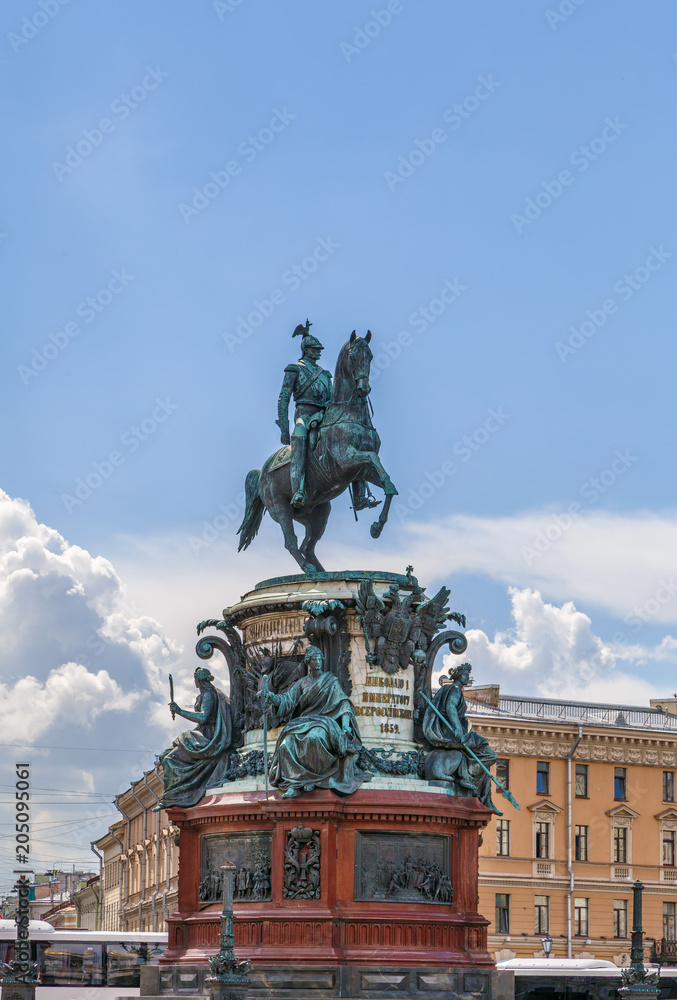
(541, 914)
(581, 916)
(620, 918)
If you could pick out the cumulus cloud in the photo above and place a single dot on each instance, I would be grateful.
(71, 691)
(553, 651)
(623, 563)
(80, 666)
(65, 621)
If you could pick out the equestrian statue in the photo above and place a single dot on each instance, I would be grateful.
(333, 447)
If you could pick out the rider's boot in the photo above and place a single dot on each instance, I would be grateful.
(360, 498)
(298, 466)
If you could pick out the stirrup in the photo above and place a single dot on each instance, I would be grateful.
(361, 503)
(299, 499)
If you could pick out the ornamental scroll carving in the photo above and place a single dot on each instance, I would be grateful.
(302, 864)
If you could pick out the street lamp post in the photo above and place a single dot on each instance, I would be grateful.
(637, 982)
(547, 945)
(228, 979)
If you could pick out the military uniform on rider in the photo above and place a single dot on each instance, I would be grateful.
(310, 386)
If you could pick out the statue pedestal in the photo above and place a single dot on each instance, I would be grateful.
(355, 923)
(363, 895)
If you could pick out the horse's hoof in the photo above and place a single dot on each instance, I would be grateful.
(376, 529)
(310, 570)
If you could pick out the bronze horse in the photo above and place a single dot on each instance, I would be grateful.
(346, 452)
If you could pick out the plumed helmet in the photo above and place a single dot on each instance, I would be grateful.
(307, 338)
(202, 674)
(311, 341)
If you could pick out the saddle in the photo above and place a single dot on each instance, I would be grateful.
(283, 455)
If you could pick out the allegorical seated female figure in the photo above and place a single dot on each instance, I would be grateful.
(452, 738)
(319, 747)
(199, 757)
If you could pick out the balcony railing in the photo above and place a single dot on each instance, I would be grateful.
(619, 716)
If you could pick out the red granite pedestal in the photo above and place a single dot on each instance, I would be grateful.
(338, 944)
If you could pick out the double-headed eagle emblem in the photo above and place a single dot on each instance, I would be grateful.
(393, 628)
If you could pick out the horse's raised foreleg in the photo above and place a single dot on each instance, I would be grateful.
(315, 522)
(374, 472)
(377, 526)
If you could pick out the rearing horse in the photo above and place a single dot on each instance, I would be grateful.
(346, 452)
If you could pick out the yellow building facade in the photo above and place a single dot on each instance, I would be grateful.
(597, 786)
(139, 858)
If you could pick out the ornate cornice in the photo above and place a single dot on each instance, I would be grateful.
(530, 738)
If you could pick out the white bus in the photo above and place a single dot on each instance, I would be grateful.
(74, 963)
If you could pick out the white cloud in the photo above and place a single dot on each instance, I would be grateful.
(79, 666)
(553, 652)
(70, 692)
(623, 563)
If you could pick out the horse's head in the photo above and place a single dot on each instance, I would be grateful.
(359, 362)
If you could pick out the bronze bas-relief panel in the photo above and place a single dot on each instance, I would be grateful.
(251, 853)
(407, 867)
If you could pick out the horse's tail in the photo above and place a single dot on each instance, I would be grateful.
(254, 510)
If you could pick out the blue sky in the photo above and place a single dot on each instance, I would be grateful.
(565, 117)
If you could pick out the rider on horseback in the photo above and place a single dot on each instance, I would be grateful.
(310, 386)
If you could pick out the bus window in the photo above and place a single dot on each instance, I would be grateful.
(72, 963)
(123, 960)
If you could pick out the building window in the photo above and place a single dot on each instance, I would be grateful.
(542, 777)
(502, 913)
(620, 845)
(542, 914)
(503, 771)
(503, 837)
(542, 840)
(581, 781)
(669, 847)
(581, 916)
(581, 843)
(620, 783)
(668, 786)
(620, 918)
(669, 921)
